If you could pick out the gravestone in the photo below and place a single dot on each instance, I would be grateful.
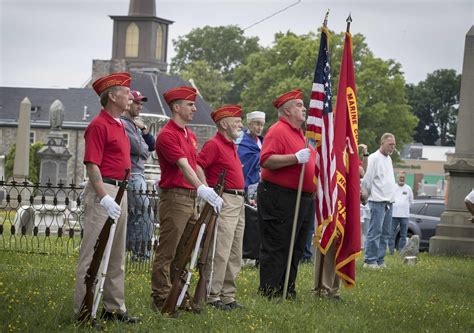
(54, 155)
(455, 233)
(22, 152)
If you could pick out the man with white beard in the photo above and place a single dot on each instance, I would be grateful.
(219, 154)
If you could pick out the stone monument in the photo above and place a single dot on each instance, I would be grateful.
(22, 151)
(455, 233)
(54, 155)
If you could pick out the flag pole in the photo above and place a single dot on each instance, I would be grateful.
(348, 21)
(297, 210)
(321, 262)
(293, 230)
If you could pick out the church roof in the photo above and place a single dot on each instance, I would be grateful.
(75, 100)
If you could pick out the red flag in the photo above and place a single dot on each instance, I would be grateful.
(347, 170)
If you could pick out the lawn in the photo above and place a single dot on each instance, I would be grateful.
(436, 295)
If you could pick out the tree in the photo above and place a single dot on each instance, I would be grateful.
(209, 81)
(223, 48)
(290, 63)
(34, 168)
(436, 101)
(426, 132)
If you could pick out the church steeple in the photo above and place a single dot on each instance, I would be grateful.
(142, 8)
(141, 38)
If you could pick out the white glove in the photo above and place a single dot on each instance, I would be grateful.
(208, 194)
(303, 155)
(113, 210)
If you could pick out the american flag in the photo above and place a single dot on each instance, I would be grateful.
(320, 127)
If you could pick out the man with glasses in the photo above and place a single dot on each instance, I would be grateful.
(249, 152)
(106, 156)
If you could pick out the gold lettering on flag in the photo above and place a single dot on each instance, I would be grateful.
(341, 212)
(353, 114)
(341, 181)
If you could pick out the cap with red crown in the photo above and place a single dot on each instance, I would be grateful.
(288, 96)
(122, 79)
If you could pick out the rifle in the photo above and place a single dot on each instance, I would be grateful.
(102, 249)
(200, 295)
(179, 273)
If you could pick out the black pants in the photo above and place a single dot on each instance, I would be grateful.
(276, 209)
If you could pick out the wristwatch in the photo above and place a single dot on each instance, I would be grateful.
(365, 155)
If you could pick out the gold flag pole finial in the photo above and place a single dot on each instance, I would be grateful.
(325, 23)
(348, 20)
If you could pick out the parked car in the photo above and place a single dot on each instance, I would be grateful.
(424, 217)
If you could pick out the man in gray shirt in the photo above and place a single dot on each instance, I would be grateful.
(140, 221)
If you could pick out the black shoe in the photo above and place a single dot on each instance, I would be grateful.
(117, 316)
(157, 304)
(219, 305)
(234, 305)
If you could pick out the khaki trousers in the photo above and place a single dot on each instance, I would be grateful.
(94, 219)
(330, 281)
(228, 253)
(175, 209)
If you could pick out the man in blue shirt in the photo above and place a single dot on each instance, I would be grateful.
(249, 152)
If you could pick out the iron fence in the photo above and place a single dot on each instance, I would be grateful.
(48, 219)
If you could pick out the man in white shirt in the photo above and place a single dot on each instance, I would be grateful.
(380, 183)
(401, 212)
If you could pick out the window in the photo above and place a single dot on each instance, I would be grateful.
(32, 137)
(434, 210)
(131, 40)
(416, 207)
(66, 139)
(159, 43)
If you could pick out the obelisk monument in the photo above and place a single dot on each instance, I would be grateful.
(455, 232)
(22, 150)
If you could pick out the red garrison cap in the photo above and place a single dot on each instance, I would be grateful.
(186, 93)
(288, 96)
(137, 96)
(113, 80)
(226, 111)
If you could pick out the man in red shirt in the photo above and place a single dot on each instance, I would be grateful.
(107, 156)
(282, 154)
(219, 154)
(176, 146)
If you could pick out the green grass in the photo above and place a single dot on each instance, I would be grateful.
(436, 295)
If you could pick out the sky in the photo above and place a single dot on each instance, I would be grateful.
(51, 43)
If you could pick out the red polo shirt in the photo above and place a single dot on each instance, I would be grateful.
(281, 139)
(219, 154)
(173, 143)
(107, 146)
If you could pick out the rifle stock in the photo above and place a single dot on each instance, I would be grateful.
(200, 295)
(90, 279)
(184, 250)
